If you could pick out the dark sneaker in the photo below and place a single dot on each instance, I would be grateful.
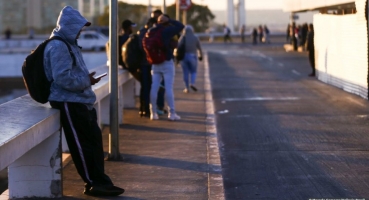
(101, 190)
(193, 88)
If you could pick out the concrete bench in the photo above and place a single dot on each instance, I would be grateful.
(30, 139)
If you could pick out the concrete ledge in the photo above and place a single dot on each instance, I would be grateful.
(20, 116)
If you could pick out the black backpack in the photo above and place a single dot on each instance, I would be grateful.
(132, 53)
(34, 76)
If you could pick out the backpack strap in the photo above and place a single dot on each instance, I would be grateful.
(66, 43)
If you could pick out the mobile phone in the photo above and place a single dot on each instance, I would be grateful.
(101, 75)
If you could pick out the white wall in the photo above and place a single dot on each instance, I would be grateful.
(341, 50)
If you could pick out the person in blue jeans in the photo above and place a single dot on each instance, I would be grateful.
(189, 62)
(165, 69)
(146, 79)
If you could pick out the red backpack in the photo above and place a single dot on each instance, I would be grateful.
(154, 46)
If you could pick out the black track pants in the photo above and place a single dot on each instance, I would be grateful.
(84, 140)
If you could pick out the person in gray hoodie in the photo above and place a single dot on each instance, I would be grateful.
(189, 62)
(72, 94)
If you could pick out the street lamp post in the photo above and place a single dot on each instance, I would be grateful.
(164, 7)
(149, 9)
(177, 10)
(113, 69)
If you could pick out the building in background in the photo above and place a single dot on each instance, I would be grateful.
(41, 15)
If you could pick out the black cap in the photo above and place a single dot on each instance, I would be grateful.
(128, 23)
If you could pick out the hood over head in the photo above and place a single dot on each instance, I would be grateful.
(188, 30)
(69, 23)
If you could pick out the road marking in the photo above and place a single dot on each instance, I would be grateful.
(296, 72)
(223, 112)
(262, 99)
(215, 180)
(281, 64)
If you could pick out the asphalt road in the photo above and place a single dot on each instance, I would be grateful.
(282, 134)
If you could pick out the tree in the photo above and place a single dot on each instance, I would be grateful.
(198, 16)
(135, 12)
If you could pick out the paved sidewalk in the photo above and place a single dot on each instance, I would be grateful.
(164, 159)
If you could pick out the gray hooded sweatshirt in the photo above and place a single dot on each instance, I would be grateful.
(192, 42)
(71, 82)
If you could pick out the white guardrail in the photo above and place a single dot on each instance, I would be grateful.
(31, 144)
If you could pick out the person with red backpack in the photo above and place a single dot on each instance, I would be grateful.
(159, 53)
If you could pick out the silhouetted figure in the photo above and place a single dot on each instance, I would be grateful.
(254, 36)
(31, 33)
(304, 32)
(242, 32)
(294, 35)
(260, 33)
(8, 33)
(227, 34)
(311, 49)
(266, 33)
(288, 35)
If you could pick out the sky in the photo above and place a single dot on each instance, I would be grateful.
(221, 4)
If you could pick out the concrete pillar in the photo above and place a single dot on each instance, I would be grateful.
(164, 8)
(92, 9)
(80, 7)
(101, 7)
(128, 94)
(230, 15)
(241, 14)
(37, 173)
(34, 14)
(149, 9)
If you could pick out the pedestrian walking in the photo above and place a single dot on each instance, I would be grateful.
(72, 94)
(266, 34)
(242, 32)
(31, 33)
(189, 63)
(8, 33)
(294, 35)
(304, 32)
(164, 70)
(288, 34)
(311, 49)
(210, 32)
(254, 36)
(260, 33)
(227, 33)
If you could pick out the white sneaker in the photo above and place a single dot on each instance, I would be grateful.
(174, 117)
(154, 116)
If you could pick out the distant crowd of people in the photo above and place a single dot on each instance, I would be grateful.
(302, 36)
(260, 34)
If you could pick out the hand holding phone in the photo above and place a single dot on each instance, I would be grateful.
(101, 75)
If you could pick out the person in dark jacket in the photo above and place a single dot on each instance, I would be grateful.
(146, 78)
(127, 30)
(254, 36)
(166, 69)
(311, 49)
(71, 93)
(127, 26)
